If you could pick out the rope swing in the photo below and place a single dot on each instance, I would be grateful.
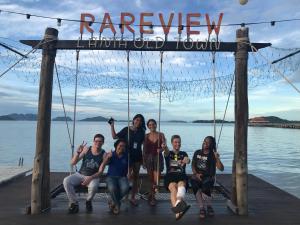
(75, 105)
(128, 108)
(159, 116)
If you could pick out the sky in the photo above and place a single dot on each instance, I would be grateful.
(276, 98)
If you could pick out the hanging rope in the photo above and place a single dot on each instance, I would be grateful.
(229, 94)
(214, 90)
(273, 66)
(128, 108)
(63, 104)
(75, 105)
(159, 116)
(25, 56)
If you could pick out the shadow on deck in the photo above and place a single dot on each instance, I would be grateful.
(267, 204)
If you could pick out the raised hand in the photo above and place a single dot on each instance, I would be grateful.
(86, 180)
(81, 147)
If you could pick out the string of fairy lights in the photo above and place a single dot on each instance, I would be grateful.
(183, 75)
(60, 20)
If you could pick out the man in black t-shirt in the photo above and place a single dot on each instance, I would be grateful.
(176, 179)
(88, 174)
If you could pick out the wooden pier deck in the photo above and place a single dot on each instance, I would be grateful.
(267, 205)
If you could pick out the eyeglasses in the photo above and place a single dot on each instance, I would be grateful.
(98, 141)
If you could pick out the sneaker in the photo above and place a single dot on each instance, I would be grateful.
(74, 208)
(88, 206)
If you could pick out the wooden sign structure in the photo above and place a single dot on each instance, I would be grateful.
(40, 199)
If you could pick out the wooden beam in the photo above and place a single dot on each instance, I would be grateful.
(40, 189)
(146, 45)
(241, 121)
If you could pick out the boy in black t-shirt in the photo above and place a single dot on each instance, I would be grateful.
(204, 171)
(176, 179)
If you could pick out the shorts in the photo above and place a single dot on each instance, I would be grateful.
(175, 177)
(151, 162)
(205, 185)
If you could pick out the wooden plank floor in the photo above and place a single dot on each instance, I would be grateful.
(267, 205)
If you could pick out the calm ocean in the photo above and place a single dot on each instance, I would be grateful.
(273, 153)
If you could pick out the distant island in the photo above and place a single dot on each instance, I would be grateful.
(62, 118)
(97, 118)
(211, 121)
(273, 121)
(176, 121)
(262, 121)
(15, 116)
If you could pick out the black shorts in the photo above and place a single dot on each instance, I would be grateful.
(205, 185)
(175, 177)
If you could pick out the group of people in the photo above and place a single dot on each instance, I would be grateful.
(134, 148)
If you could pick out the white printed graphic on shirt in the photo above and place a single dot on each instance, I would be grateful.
(201, 162)
(92, 164)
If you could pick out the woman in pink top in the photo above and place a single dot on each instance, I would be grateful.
(152, 157)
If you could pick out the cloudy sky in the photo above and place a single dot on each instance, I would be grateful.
(272, 98)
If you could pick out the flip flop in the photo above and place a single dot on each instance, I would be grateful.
(111, 206)
(181, 214)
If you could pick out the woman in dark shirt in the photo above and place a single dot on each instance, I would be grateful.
(134, 146)
(203, 178)
(117, 182)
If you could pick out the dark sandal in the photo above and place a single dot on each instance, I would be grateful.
(181, 214)
(179, 207)
(111, 206)
(133, 202)
(210, 211)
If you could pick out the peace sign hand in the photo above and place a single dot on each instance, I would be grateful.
(81, 147)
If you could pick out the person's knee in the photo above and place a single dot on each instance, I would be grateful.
(94, 186)
(66, 181)
(111, 188)
(172, 187)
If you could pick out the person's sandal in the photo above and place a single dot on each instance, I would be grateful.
(181, 214)
(111, 206)
(202, 213)
(210, 211)
(133, 202)
(116, 210)
(152, 201)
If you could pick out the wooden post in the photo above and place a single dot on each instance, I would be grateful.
(40, 189)
(241, 121)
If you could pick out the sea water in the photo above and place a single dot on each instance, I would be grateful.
(273, 153)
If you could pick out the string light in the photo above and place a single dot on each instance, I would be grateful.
(58, 22)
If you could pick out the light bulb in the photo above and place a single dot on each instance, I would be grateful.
(243, 2)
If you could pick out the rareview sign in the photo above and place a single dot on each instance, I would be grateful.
(144, 24)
